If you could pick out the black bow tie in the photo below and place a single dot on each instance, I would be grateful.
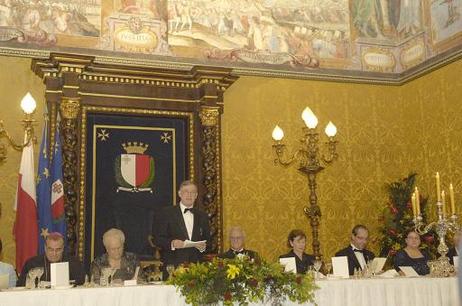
(188, 209)
(238, 252)
(359, 251)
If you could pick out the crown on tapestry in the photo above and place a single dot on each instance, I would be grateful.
(135, 147)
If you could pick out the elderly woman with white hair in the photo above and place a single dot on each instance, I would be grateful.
(123, 264)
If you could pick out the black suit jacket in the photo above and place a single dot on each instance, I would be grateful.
(451, 253)
(76, 271)
(230, 254)
(353, 262)
(171, 226)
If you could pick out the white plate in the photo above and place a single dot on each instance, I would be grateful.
(16, 288)
(156, 283)
(63, 287)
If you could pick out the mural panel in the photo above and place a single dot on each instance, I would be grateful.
(262, 31)
(42, 22)
(446, 19)
(387, 19)
(259, 36)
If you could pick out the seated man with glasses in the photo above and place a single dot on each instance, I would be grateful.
(237, 248)
(54, 252)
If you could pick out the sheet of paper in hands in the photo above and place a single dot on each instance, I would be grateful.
(377, 264)
(340, 266)
(409, 271)
(193, 244)
(59, 274)
(289, 264)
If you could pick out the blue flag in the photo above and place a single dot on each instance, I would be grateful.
(57, 189)
(44, 190)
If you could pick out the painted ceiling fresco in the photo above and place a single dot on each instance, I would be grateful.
(387, 36)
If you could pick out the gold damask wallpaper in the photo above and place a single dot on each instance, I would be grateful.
(384, 133)
(16, 79)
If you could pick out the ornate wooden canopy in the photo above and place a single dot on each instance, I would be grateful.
(76, 83)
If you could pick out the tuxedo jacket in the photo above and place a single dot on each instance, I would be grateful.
(230, 254)
(353, 262)
(171, 226)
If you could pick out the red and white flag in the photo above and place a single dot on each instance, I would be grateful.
(25, 227)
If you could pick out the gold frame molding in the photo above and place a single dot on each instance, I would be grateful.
(83, 155)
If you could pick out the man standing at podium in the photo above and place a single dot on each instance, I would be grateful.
(183, 230)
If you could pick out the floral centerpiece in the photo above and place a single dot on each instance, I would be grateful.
(397, 218)
(241, 281)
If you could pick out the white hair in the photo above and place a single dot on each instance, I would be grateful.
(114, 232)
(237, 229)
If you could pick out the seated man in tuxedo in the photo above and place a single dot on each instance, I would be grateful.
(237, 242)
(356, 252)
(179, 225)
(54, 252)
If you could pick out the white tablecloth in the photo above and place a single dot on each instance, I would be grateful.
(369, 292)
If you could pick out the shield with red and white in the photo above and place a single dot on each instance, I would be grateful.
(136, 169)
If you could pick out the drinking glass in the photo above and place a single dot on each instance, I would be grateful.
(170, 269)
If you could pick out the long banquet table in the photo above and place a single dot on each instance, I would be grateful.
(351, 292)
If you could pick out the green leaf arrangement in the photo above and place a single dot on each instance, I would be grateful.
(241, 281)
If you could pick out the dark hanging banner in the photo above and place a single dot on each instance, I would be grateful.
(134, 166)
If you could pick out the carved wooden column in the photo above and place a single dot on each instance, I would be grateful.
(211, 164)
(69, 110)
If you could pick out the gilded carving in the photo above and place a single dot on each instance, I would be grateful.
(209, 116)
(378, 59)
(70, 107)
(68, 129)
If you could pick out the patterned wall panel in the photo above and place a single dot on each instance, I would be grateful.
(384, 133)
(16, 79)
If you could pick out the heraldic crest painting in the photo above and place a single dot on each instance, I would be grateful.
(135, 163)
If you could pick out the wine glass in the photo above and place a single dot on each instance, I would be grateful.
(170, 269)
(104, 277)
(328, 267)
(317, 265)
(38, 275)
(33, 277)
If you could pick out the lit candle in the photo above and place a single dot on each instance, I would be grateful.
(438, 187)
(417, 201)
(451, 197)
(414, 210)
(443, 200)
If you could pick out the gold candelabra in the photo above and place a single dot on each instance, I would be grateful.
(444, 224)
(28, 106)
(311, 162)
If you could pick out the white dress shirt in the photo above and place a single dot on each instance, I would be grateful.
(359, 257)
(188, 220)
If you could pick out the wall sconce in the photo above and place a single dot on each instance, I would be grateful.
(311, 161)
(28, 106)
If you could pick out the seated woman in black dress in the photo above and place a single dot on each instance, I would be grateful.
(297, 241)
(412, 256)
